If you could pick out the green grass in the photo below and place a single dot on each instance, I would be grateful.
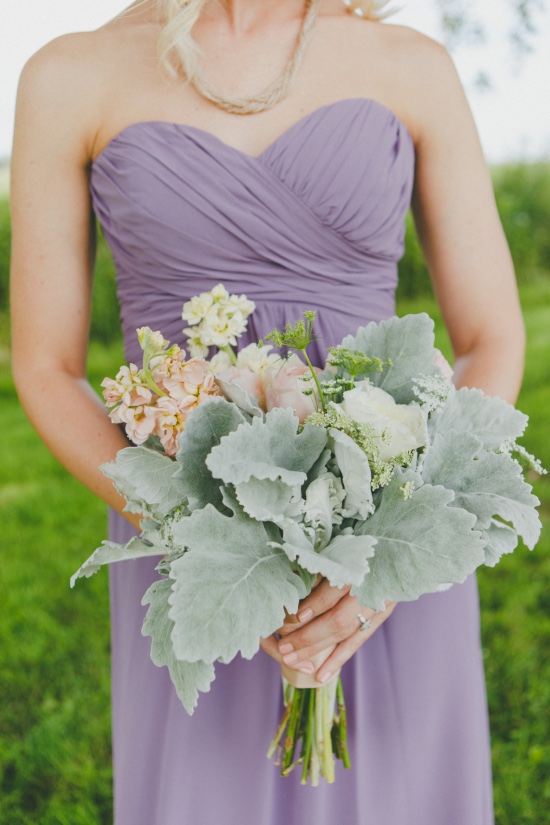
(54, 667)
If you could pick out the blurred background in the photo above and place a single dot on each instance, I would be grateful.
(54, 658)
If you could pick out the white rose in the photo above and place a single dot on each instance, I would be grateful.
(405, 424)
(256, 358)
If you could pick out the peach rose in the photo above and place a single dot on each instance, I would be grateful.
(284, 387)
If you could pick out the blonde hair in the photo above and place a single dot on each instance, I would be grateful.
(179, 51)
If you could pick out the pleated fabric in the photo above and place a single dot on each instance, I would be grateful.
(316, 221)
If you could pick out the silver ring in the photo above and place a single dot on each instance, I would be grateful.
(365, 623)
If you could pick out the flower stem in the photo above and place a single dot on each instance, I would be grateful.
(308, 736)
(227, 349)
(281, 729)
(328, 763)
(151, 383)
(314, 374)
(342, 724)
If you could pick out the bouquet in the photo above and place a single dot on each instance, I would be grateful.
(259, 475)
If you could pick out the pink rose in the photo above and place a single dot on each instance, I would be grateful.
(284, 387)
(248, 380)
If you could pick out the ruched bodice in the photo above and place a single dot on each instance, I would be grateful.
(316, 220)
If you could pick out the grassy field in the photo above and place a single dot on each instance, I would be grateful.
(54, 669)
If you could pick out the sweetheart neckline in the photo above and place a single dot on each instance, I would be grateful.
(186, 127)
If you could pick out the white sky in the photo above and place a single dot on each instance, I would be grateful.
(513, 118)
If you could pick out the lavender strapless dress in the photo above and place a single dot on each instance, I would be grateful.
(316, 221)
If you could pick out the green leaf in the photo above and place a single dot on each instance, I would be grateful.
(486, 484)
(468, 410)
(110, 552)
(188, 677)
(268, 449)
(266, 500)
(421, 544)
(501, 539)
(145, 477)
(204, 430)
(408, 342)
(343, 562)
(231, 588)
(356, 475)
(239, 396)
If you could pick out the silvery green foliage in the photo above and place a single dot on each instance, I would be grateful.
(421, 544)
(486, 484)
(323, 507)
(147, 479)
(188, 677)
(206, 427)
(110, 552)
(356, 475)
(232, 586)
(235, 393)
(501, 539)
(268, 449)
(408, 342)
(320, 466)
(343, 562)
(493, 420)
(267, 500)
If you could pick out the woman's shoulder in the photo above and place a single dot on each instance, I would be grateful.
(67, 81)
(414, 72)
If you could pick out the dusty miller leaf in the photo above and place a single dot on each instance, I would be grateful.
(269, 449)
(204, 430)
(187, 677)
(421, 544)
(356, 475)
(468, 410)
(486, 484)
(239, 396)
(231, 588)
(266, 500)
(501, 539)
(110, 552)
(343, 562)
(146, 477)
(408, 342)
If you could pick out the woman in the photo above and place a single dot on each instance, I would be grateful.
(299, 204)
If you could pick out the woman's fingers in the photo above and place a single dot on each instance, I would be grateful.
(333, 627)
(346, 649)
(271, 647)
(318, 602)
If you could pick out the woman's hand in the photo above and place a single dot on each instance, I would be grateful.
(327, 617)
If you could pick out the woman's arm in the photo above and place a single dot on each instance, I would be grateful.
(474, 280)
(463, 241)
(52, 260)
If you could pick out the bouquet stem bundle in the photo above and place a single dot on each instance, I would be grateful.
(317, 718)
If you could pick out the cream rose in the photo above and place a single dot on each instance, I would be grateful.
(405, 424)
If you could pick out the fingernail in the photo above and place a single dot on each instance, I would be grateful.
(285, 648)
(290, 658)
(306, 614)
(324, 678)
(307, 667)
